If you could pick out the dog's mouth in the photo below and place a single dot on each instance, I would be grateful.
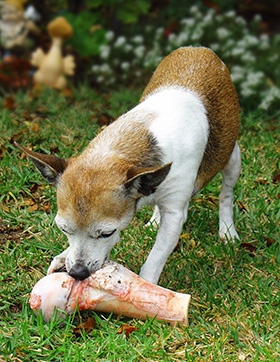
(107, 258)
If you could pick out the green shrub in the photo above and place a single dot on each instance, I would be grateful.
(252, 59)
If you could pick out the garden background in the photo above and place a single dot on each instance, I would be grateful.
(234, 313)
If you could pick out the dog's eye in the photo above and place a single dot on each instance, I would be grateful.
(107, 234)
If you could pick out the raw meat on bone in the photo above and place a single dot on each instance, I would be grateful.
(112, 288)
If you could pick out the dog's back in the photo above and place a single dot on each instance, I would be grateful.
(202, 72)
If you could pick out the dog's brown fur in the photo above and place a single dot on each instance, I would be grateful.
(125, 157)
(201, 71)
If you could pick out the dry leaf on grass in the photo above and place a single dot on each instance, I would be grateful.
(242, 207)
(9, 102)
(127, 329)
(86, 326)
(276, 179)
(270, 242)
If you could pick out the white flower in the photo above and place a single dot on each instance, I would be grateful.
(139, 51)
(223, 33)
(138, 39)
(172, 38)
(273, 94)
(251, 40)
(125, 66)
(230, 43)
(121, 40)
(214, 46)
(159, 33)
(100, 79)
(237, 73)
(264, 42)
(109, 35)
(128, 48)
(237, 51)
(194, 10)
(182, 38)
(255, 79)
(95, 68)
(197, 34)
(246, 91)
(105, 69)
(105, 51)
(230, 14)
(240, 21)
(152, 58)
(208, 19)
(188, 22)
(257, 18)
(248, 57)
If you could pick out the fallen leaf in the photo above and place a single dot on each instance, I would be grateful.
(33, 208)
(127, 329)
(35, 127)
(67, 92)
(251, 248)
(213, 200)
(34, 188)
(270, 242)
(261, 181)
(276, 179)
(9, 102)
(28, 202)
(3, 151)
(242, 207)
(85, 326)
(94, 28)
(47, 208)
(185, 236)
(104, 119)
(4, 208)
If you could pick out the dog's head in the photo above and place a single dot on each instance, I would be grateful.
(95, 202)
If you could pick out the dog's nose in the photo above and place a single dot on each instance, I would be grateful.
(79, 271)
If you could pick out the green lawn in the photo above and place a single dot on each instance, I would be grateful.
(234, 313)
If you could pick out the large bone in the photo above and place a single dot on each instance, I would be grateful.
(113, 288)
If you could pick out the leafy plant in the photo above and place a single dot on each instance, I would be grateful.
(124, 10)
(86, 38)
(253, 60)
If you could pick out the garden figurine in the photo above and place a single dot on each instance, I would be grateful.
(53, 66)
(15, 27)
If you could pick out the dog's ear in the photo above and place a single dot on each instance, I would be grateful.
(49, 166)
(143, 181)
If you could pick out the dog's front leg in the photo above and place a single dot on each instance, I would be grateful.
(58, 261)
(166, 240)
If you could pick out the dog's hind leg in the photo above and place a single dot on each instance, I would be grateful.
(154, 222)
(230, 175)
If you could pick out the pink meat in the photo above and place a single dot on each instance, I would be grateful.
(113, 288)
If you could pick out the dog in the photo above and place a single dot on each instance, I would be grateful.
(160, 153)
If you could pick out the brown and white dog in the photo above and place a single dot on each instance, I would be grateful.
(161, 153)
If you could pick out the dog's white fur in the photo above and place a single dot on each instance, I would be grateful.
(185, 150)
(178, 120)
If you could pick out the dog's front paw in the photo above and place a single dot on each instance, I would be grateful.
(58, 264)
(228, 234)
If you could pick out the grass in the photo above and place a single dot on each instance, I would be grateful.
(234, 313)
